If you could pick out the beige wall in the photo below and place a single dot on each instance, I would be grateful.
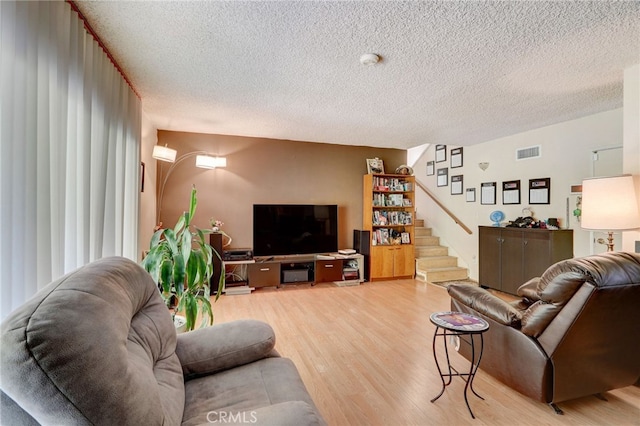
(266, 171)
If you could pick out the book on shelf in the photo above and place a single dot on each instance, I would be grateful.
(346, 251)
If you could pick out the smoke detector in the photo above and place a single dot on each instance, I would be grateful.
(369, 59)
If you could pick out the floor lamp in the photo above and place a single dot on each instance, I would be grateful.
(203, 160)
(609, 204)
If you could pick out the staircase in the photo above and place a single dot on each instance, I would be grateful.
(433, 263)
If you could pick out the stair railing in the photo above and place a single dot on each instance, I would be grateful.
(443, 207)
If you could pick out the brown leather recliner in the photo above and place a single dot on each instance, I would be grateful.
(574, 332)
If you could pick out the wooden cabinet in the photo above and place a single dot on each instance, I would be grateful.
(511, 256)
(388, 262)
(389, 215)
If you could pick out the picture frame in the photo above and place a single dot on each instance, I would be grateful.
(511, 192)
(456, 157)
(142, 171)
(488, 193)
(431, 168)
(456, 184)
(540, 191)
(471, 195)
(443, 177)
(375, 166)
(405, 238)
(441, 153)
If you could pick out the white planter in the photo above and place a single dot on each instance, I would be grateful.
(180, 323)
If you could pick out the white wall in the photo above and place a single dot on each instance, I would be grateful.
(566, 150)
(631, 149)
(147, 217)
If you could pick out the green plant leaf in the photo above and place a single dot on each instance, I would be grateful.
(185, 245)
(220, 286)
(192, 272)
(171, 240)
(180, 225)
(155, 239)
(166, 273)
(179, 271)
(190, 310)
(207, 311)
(193, 203)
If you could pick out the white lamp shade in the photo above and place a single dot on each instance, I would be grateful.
(164, 153)
(610, 203)
(208, 162)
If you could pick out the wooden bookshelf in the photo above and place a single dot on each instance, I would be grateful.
(389, 214)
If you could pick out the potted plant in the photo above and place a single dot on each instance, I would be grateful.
(180, 262)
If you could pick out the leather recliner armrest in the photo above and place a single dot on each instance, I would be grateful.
(486, 304)
(227, 345)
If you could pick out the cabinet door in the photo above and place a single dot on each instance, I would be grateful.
(404, 262)
(511, 260)
(537, 254)
(489, 256)
(382, 262)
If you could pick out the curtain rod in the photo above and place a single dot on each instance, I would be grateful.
(90, 30)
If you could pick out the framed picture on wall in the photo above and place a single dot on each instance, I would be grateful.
(456, 157)
(443, 177)
(441, 153)
(142, 170)
(471, 195)
(456, 185)
(539, 191)
(511, 192)
(488, 193)
(431, 168)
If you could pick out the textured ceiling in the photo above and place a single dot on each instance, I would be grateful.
(452, 72)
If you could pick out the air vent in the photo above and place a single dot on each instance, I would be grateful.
(529, 152)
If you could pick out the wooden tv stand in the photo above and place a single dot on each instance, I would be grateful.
(274, 271)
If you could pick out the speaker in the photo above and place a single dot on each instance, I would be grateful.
(362, 244)
(215, 240)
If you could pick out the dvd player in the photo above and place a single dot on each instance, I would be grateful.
(237, 254)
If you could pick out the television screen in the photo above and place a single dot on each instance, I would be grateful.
(285, 229)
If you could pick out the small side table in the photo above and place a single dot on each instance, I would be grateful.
(458, 324)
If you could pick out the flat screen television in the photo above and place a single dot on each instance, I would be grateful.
(287, 229)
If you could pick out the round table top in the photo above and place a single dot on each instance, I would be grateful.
(459, 321)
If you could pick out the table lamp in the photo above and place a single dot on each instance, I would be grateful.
(610, 204)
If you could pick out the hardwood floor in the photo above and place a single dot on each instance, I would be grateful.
(365, 355)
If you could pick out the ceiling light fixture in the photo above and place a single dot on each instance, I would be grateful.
(369, 59)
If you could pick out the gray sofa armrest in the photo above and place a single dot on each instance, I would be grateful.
(227, 345)
(485, 303)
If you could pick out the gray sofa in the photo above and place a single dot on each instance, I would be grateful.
(98, 346)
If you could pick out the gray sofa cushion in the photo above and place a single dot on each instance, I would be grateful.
(251, 389)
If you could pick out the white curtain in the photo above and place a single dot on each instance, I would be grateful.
(69, 150)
